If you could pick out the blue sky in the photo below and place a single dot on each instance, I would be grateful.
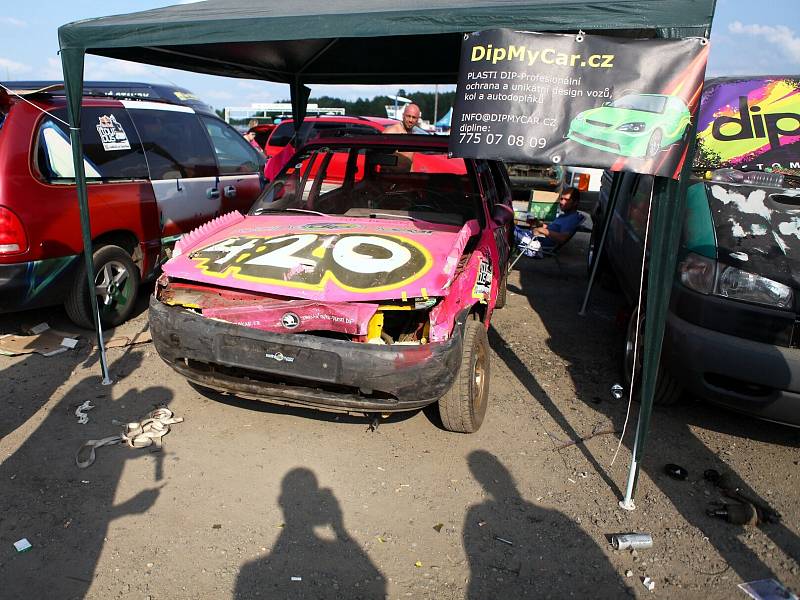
(745, 40)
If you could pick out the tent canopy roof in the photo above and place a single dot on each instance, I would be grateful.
(356, 41)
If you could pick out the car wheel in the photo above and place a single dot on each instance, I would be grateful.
(463, 407)
(500, 302)
(668, 389)
(654, 145)
(116, 280)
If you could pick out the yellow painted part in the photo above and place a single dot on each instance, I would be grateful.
(375, 326)
(395, 307)
(319, 252)
(424, 293)
(404, 296)
(243, 256)
(184, 304)
(261, 248)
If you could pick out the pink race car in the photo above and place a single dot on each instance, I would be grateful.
(362, 280)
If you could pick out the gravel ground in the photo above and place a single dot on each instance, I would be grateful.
(247, 497)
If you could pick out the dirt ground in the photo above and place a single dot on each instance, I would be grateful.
(247, 497)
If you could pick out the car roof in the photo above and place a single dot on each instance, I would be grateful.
(344, 119)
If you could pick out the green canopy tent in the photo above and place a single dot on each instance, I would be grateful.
(374, 42)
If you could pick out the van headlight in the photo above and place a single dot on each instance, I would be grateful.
(706, 276)
(741, 285)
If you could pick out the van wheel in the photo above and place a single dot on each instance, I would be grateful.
(654, 145)
(116, 280)
(463, 407)
(500, 302)
(668, 389)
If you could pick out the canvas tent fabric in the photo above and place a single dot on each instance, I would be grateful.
(374, 42)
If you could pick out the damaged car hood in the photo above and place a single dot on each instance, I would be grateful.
(758, 229)
(332, 258)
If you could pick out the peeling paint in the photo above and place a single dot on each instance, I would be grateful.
(740, 256)
(758, 229)
(781, 244)
(790, 227)
(753, 204)
(737, 230)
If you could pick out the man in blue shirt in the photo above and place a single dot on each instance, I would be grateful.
(564, 225)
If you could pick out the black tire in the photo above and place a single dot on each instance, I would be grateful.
(112, 265)
(500, 302)
(654, 144)
(668, 389)
(463, 407)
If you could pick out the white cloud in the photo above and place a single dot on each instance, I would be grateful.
(779, 35)
(12, 67)
(12, 22)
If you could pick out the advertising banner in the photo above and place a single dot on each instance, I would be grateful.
(750, 124)
(583, 100)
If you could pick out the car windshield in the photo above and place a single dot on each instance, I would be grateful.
(377, 181)
(653, 104)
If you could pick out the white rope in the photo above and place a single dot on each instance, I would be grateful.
(636, 336)
(13, 93)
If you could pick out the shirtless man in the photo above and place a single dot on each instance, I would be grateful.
(411, 115)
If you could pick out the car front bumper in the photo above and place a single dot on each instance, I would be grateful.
(610, 140)
(304, 369)
(756, 378)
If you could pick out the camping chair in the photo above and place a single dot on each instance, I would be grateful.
(526, 247)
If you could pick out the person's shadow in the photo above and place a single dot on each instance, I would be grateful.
(516, 549)
(64, 512)
(303, 564)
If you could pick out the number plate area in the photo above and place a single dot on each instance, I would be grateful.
(282, 359)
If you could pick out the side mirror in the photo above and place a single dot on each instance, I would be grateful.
(502, 214)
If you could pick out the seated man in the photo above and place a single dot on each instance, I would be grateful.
(546, 236)
(565, 224)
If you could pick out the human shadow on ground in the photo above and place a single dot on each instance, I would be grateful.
(671, 438)
(63, 511)
(314, 556)
(517, 549)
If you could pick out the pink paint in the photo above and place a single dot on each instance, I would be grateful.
(296, 316)
(369, 259)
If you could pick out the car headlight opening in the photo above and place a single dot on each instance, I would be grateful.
(636, 127)
(704, 275)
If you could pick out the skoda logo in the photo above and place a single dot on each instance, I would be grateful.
(290, 320)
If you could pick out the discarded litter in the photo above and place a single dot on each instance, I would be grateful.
(297, 579)
(617, 391)
(628, 573)
(737, 513)
(81, 411)
(747, 510)
(438, 527)
(43, 341)
(216, 526)
(623, 541)
(677, 472)
(648, 583)
(23, 545)
(767, 589)
(501, 540)
(418, 564)
(137, 434)
(120, 341)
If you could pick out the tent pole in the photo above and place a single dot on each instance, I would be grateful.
(668, 214)
(72, 66)
(612, 203)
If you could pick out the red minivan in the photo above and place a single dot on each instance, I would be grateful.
(155, 170)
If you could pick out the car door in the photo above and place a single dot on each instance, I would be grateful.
(240, 165)
(182, 166)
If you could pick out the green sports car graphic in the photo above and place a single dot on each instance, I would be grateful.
(639, 125)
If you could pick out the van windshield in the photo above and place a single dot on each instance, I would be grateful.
(375, 181)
